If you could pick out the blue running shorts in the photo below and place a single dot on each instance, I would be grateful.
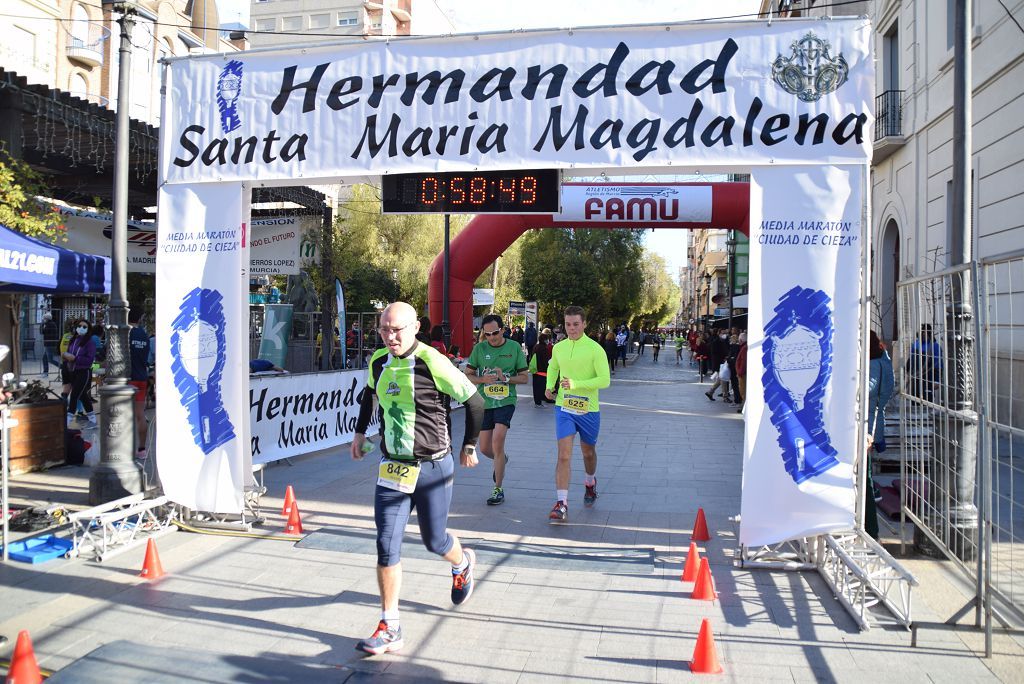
(587, 424)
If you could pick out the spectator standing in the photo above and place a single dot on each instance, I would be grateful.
(655, 339)
(741, 371)
(734, 381)
(881, 384)
(78, 360)
(541, 355)
(621, 344)
(530, 337)
(138, 351)
(437, 339)
(611, 350)
(51, 339)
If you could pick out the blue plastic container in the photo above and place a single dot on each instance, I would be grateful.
(39, 549)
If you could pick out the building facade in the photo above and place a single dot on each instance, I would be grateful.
(284, 22)
(72, 46)
(912, 166)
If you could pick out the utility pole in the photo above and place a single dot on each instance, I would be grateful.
(959, 323)
(326, 310)
(117, 474)
(730, 245)
(446, 329)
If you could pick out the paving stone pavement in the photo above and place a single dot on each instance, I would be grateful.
(664, 451)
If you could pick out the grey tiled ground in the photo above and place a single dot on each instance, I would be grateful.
(664, 450)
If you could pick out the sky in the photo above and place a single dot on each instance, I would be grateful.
(462, 16)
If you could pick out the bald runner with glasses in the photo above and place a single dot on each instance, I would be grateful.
(414, 383)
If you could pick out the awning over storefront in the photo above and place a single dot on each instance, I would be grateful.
(29, 265)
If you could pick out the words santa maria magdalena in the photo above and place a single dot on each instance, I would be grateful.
(390, 127)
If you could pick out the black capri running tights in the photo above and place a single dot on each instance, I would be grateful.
(431, 499)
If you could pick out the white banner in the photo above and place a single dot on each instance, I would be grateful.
(646, 203)
(277, 245)
(483, 296)
(732, 93)
(803, 353)
(292, 415)
(202, 322)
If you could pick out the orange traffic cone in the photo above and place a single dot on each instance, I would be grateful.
(151, 567)
(692, 564)
(294, 525)
(24, 669)
(289, 501)
(700, 528)
(704, 587)
(705, 659)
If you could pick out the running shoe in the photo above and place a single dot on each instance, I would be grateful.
(590, 495)
(383, 640)
(560, 513)
(709, 395)
(462, 583)
(497, 497)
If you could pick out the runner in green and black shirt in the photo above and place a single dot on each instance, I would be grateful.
(496, 366)
(414, 385)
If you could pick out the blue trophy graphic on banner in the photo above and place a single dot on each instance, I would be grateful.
(229, 88)
(198, 351)
(797, 357)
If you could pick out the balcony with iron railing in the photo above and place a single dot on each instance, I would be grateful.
(889, 135)
(86, 45)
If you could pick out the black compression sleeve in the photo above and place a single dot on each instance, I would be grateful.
(474, 419)
(366, 398)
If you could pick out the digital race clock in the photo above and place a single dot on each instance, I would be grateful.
(478, 192)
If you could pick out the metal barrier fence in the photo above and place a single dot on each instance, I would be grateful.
(1002, 344)
(961, 415)
(304, 353)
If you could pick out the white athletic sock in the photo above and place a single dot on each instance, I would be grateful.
(591, 479)
(563, 495)
(457, 569)
(391, 617)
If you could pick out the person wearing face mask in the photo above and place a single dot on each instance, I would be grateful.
(741, 372)
(78, 360)
(719, 356)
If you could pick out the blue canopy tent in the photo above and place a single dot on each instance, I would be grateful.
(29, 265)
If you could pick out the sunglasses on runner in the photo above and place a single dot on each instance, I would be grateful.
(492, 334)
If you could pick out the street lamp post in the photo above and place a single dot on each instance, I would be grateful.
(117, 475)
(730, 245)
(707, 299)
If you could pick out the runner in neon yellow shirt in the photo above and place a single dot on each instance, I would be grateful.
(579, 368)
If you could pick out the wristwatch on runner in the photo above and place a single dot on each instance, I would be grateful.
(469, 449)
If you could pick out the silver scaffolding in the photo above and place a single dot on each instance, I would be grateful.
(961, 408)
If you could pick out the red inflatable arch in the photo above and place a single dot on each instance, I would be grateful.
(487, 236)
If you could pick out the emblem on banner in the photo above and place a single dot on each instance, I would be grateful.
(198, 353)
(810, 71)
(229, 88)
(797, 357)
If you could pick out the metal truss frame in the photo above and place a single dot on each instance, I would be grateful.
(117, 526)
(858, 570)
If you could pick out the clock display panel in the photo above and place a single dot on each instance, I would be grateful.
(478, 192)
